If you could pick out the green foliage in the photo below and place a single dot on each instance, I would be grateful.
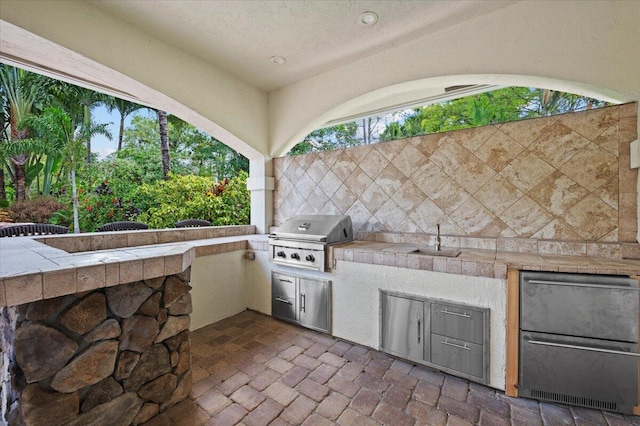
(194, 197)
(37, 210)
(328, 138)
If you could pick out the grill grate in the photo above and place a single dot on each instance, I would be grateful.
(574, 400)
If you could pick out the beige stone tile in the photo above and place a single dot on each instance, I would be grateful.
(390, 215)
(373, 163)
(473, 138)
(330, 209)
(478, 243)
(131, 271)
(473, 174)
(390, 179)
(472, 216)
(373, 197)
(627, 230)
(304, 185)
(428, 144)
(408, 196)
(427, 215)
(306, 160)
(330, 157)
(343, 198)
(498, 151)
(329, 183)
(153, 268)
(408, 159)
(608, 140)
(141, 238)
(525, 132)
(525, 217)
(592, 123)
(3, 300)
(558, 144)
(628, 110)
(358, 181)
(604, 250)
(428, 176)
(317, 199)
(592, 167)
(440, 264)
(498, 194)
(526, 171)
(557, 229)
(449, 196)
(450, 156)
(359, 215)
(170, 236)
(374, 225)
(317, 170)
(609, 193)
(631, 251)
(566, 248)
(557, 193)
(23, 289)
(357, 153)
(108, 240)
(91, 277)
(469, 268)
(390, 149)
(59, 283)
(592, 218)
(611, 237)
(112, 274)
(294, 171)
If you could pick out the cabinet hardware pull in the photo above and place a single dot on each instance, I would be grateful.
(303, 304)
(584, 348)
(570, 284)
(446, 342)
(278, 299)
(284, 281)
(465, 315)
(418, 330)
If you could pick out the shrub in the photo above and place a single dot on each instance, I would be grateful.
(194, 197)
(37, 210)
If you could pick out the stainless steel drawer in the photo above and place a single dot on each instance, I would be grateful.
(591, 372)
(457, 321)
(458, 355)
(283, 307)
(602, 307)
(283, 285)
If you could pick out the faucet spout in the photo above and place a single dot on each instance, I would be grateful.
(438, 240)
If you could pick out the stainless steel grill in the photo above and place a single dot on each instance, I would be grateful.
(303, 241)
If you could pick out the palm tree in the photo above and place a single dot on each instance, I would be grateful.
(164, 143)
(125, 108)
(20, 99)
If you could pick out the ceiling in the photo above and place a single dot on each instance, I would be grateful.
(240, 37)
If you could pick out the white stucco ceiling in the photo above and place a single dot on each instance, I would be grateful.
(315, 36)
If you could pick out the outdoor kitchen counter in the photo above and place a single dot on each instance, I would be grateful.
(31, 270)
(477, 262)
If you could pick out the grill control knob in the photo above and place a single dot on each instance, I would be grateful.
(281, 254)
(295, 256)
(310, 258)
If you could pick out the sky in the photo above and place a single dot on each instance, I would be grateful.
(100, 144)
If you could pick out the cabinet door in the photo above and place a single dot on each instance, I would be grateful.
(314, 304)
(403, 326)
(283, 296)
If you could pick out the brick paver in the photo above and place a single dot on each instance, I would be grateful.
(252, 370)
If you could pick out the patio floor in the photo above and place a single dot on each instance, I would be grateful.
(254, 370)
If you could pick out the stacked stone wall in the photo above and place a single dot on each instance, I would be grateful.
(118, 355)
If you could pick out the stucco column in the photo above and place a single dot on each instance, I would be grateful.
(261, 185)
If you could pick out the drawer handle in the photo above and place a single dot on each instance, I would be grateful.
(465, 315)
(570, 284)
(284, 281)
(584, 348)
(279, 299)
(446, 342)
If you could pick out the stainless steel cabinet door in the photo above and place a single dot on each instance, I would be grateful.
(314, 301)
(403, 326)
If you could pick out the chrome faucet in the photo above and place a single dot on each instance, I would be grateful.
(438, 240)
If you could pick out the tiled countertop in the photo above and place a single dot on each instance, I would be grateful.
(477, 262)
(31, 270)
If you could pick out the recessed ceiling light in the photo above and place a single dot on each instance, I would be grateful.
(279, 60)
(368, 19)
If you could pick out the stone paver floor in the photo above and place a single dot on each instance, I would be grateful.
(251, 369)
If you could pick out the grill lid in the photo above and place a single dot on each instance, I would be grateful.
(329, 229)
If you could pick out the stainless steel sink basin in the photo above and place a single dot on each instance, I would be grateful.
(433, 252)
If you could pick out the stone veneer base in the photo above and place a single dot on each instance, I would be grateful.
(118, 355)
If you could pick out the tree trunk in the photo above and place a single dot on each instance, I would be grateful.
(87, 123)
(164, 143)
(3, 191)
(19, 165)
(74, 195)
(120, 135)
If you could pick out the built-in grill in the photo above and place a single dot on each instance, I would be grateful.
(303, 241)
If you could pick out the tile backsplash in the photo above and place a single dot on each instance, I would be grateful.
(564, 177)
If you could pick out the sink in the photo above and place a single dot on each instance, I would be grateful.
(433, 252)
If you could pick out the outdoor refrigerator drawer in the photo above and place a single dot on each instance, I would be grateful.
(458, 355)
(458, 321)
